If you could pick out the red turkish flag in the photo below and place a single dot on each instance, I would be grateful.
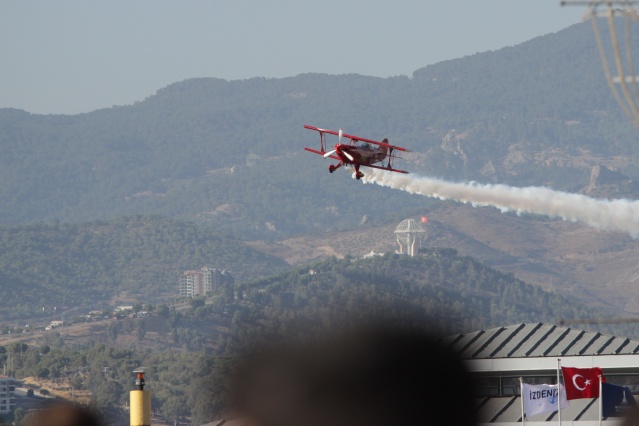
(582, 382)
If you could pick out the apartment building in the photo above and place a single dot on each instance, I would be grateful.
(202, 281)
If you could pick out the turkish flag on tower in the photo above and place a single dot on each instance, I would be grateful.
(582, 382)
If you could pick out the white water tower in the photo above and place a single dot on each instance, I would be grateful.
(409, 233)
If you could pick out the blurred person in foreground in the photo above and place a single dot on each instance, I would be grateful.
(631, 417)
(373, 376)
(63, 415)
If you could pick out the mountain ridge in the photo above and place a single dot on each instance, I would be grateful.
(229, 154)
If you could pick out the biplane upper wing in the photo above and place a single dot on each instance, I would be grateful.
(314, 151)
(355, 138)
(317, 129)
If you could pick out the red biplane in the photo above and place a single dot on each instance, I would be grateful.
(357, 152)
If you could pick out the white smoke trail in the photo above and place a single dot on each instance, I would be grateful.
(608, 215)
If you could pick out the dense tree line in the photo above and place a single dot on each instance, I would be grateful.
(438, 289)
(183, 385)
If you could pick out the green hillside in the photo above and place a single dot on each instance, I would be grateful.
(183, 151)
(84, 265)
(438, 289)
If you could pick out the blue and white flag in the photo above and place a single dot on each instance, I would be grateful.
(540, 399)
(616, 400)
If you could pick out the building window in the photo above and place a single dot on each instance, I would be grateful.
(487, 386)
(508, 386)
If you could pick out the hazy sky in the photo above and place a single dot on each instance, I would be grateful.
(63, 56)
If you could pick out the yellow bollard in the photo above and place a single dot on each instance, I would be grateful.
(140, 405)
(140, 408)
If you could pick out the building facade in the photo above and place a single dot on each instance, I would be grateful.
(202, 281)
(499, 357)
(7, 397)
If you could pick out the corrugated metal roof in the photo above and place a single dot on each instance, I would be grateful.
(538, 340)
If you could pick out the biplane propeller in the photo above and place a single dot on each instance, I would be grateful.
(357, 152)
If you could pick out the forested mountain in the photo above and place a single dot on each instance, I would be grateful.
(437, 290)
(538, 113)
(82, 265)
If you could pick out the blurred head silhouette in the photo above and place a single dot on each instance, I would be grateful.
(366, 377)
(63, 415)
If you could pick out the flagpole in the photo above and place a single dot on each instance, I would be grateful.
(521, 394)
(559, 391)
(600, 398)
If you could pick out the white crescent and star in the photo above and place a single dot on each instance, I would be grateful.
(574, 382)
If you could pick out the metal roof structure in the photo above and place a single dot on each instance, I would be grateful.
(538, 349)
(539, 340)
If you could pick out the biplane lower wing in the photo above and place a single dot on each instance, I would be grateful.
(314, 151)
(384, 168)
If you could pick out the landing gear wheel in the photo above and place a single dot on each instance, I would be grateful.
(331, 168)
